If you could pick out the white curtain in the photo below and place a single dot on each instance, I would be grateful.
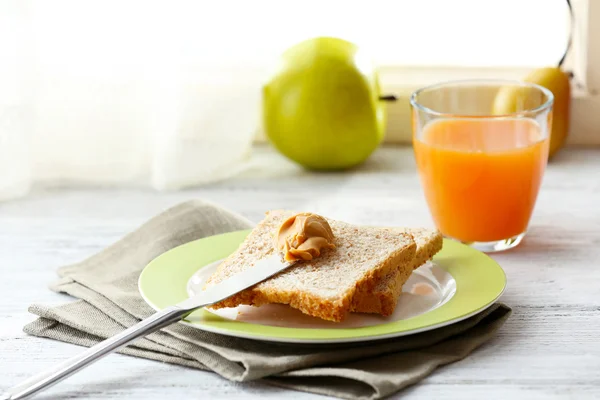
(101, 93)
(166, 94)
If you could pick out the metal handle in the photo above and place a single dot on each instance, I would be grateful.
(46, 379)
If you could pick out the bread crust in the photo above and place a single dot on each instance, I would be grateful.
(383, 298)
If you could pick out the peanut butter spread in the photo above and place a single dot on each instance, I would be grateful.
(303, 236)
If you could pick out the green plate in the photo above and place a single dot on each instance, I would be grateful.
(477, 282)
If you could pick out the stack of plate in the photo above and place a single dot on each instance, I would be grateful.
(458, 283)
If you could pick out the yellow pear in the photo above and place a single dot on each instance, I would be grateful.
(322, 107)
(553, 79)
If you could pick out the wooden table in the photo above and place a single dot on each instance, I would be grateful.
(549, 348)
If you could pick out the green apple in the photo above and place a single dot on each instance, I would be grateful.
(321, 107)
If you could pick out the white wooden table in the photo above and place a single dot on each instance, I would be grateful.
(549, 348)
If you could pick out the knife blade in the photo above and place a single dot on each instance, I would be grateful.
(260, 271)
(257, 273)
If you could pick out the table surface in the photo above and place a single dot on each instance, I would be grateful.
(549, 348)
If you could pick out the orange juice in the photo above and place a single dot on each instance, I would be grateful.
(481, 176)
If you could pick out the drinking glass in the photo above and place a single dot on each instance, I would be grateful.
(481, 148)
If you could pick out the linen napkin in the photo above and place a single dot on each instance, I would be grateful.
(108, 302)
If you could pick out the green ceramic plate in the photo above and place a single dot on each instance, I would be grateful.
(460, 282)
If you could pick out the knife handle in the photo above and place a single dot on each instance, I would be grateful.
(46, 379)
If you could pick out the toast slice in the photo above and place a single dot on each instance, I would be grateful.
(323, 287)
(384, 297)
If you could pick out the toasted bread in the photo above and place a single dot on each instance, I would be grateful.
(384, 297)
(323, 287)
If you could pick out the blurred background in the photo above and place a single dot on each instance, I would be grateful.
(167, 95)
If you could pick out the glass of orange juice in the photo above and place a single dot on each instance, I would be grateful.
(481, 166)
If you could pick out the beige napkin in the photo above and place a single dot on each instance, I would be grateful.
(106, 286)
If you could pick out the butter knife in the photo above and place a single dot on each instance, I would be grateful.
(262, 270)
